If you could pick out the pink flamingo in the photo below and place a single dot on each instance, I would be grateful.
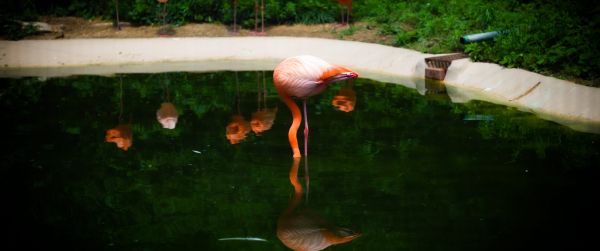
(302, 77)
(348, 7)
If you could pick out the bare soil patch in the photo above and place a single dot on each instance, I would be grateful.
(75, 27)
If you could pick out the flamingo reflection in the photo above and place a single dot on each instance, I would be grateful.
(238, 127)
(121, 134)
(262, 120)
(303, 229)
(345, 100)
(167, 114)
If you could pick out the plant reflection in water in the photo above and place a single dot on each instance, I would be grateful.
(303, 228)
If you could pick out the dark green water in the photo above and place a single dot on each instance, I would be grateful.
(409, 172)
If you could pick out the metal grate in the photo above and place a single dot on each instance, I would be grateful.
(437, 66)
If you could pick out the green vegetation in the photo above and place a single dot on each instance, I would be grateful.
(15, 30)
(552, 37)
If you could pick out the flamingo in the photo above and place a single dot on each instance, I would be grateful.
(302, 77)
(262, 18)
(165, 30)
(348, 7)
(164, 10)
(304, 229)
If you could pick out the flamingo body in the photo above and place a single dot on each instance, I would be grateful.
(302, 77)
(305, 76)
(345, 2)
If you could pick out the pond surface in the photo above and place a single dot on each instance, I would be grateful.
(402, 170)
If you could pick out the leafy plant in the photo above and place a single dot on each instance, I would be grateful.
(15, 30)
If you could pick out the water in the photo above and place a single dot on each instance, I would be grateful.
(405, 171)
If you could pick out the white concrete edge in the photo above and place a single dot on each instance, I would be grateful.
(561, 101)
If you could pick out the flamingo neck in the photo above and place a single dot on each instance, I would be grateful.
(297, 118)
(293, 175)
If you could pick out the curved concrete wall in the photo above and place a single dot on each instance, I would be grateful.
(558, 100)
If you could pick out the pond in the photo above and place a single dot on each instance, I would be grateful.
(88, 166)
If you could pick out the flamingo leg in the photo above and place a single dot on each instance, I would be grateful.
(348, 16)
(256, 16)
(234, 16)
(304, 110)
(306, 177)
(262, 17)
(349, 13)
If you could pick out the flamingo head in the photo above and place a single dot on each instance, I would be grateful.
(340, 76)
(335, 73)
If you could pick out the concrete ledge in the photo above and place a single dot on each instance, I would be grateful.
(574, 105)
(564, 102)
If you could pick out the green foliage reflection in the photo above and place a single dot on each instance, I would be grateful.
(409, 171)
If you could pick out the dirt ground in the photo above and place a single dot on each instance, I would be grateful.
(74, 27)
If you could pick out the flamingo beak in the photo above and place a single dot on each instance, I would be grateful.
(342, 76)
